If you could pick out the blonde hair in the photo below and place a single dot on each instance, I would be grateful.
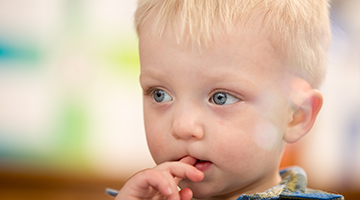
(298, 29)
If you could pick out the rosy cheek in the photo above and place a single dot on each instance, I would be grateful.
(156, 148)
(153, 141)
(222, 123)
(223, 126)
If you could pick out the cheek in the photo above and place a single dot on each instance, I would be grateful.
(154, 137)
(244, 143)
(234, 140)
(266, 136)
(155, 148)
(155, 144)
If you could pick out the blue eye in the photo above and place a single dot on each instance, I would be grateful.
(161, 96)
(221, 98)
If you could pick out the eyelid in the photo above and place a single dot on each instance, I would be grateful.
(150, 91)
(237, 96)
(227, 92)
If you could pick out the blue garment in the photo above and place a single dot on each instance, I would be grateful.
(292, 186)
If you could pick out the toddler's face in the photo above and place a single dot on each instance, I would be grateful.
(225, 106)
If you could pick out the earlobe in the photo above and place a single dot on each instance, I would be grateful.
(304, 116)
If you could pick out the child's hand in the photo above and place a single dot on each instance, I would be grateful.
(161, 181)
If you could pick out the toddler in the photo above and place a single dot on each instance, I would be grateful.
(226, 84)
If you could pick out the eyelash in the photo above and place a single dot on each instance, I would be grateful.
(225, 92)
(150, 91)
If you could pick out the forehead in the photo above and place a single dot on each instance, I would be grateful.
(246, 49)
(245, 62)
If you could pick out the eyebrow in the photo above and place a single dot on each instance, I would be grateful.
(149, 74)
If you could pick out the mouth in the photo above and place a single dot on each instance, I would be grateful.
(203, 165)
(201, 161)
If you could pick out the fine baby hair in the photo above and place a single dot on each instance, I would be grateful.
(298, 29)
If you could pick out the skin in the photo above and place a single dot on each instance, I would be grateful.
(242, 141)
(159, 182)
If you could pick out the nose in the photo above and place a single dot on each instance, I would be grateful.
(187, 123)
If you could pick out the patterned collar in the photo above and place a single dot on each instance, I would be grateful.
(292, 186)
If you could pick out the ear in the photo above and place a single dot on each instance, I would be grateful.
(304, 116)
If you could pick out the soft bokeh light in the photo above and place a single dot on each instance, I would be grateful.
(70, 98)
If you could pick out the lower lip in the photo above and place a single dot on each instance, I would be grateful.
(203, 166)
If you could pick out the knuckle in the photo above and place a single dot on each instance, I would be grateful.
(163, 166)
(153, 173)
(144, 173)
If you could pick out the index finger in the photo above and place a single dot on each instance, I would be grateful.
(188, 160)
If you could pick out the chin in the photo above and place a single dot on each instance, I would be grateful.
(201, 196)
(200, 190)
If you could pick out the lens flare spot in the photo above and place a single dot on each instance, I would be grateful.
(266, 136)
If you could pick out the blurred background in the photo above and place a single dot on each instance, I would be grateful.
(71, 109)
